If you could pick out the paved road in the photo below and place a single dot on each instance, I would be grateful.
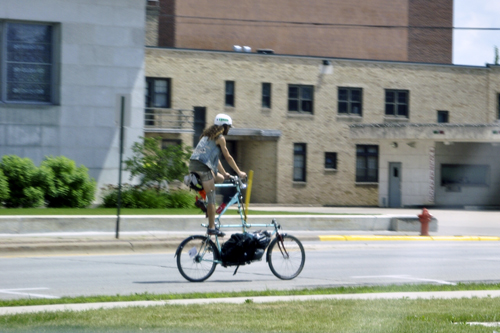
(327, 264)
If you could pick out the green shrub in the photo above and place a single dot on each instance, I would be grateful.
(146, 197)
(27, 183)
(181, 199)
(4, 188)
(72, 186)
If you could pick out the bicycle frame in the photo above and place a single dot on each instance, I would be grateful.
(237, 198)
(285, 253)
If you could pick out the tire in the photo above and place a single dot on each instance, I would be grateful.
(196, 258)
(288, 263)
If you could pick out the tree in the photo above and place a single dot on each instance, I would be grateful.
(152, 164)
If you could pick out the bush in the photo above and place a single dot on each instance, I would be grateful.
(72, 186)
(153, 164)
(27, 184)
(181, 199)
(4, 188)
(146, 197)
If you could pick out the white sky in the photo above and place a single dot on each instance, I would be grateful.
(472, 47)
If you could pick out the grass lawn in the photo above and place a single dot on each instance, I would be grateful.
(402, 315)
(131, 211)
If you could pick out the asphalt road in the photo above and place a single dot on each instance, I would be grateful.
(327, 264)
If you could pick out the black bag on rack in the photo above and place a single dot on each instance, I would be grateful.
(239, 249)
(263, 239)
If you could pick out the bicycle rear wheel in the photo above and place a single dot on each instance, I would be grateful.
(196, 257)
(286, 258)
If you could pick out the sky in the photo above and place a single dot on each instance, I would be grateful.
(472, 47)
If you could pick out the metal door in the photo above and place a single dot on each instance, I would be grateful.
(394, 184)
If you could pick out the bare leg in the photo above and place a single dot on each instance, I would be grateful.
(208, 186)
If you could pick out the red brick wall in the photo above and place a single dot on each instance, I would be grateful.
(430, 45)
(166, 25)
(189, 31)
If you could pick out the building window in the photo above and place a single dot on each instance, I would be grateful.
(229, 93)
(166, 143)
(464, 174)
(300, 98)
(331, 161)
(498, 98)
(266, 95)
(299, 162)
(27, 63)
(350, 100)
(366, 163)
(442, 116)
(157, 93)
(396, 103)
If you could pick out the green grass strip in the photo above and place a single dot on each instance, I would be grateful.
(316, 291)
(384, 316)
(131, 211)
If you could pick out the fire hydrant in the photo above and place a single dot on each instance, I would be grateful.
(424, 219)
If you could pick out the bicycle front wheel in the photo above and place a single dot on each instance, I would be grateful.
(196, 257)
(286, 257)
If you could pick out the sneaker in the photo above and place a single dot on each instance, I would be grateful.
(215, 232)
(201, 205)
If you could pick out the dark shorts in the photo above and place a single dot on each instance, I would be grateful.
(201, 169)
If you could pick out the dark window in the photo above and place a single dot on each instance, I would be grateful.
(300, 98)
(157, 93)
(396, 103)
(498, 106)
(229, 93)
(464, 174)
(366, 163)
(442, 116)
(165, 143)
(266, 95)
(330, 160)
(350, 100)
(299, 162)
(28, 62)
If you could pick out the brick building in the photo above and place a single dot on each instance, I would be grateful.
(397, 30)
(338, 132)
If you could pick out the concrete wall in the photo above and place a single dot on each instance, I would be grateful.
(100, 52)
(269, 27)
(198, 80)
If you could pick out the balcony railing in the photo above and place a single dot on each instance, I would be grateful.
(168, 120)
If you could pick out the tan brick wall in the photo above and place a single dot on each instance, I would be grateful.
(198, 80)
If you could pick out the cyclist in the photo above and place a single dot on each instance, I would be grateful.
(205, 162)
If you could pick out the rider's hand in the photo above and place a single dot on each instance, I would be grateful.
(242, 175)
(227, 175)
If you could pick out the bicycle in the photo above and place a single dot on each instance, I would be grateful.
(198, 255)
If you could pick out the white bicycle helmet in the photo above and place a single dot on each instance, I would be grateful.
(223, 119)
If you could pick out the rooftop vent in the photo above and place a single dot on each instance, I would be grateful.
(265, 51)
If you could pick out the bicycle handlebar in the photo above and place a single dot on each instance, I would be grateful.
(236, 179)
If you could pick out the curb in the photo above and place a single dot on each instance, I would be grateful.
(406, 238)
(23, 247)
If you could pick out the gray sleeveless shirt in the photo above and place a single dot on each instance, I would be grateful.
(207, 152)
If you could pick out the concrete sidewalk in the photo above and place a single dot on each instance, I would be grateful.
(258, 299)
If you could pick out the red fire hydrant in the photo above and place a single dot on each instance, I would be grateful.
(424, 219)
